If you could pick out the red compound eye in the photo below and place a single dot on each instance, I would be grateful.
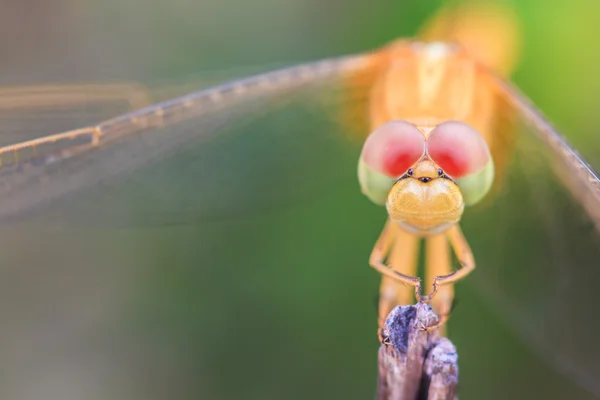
(458, 149)
(393, 148)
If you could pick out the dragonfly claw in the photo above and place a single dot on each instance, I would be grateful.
(426, 298)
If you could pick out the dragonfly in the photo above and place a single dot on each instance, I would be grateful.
(291, 136)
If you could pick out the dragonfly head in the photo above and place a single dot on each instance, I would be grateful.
(425, 177)
(425, 200)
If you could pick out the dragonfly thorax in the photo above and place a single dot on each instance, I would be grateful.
(425, 201)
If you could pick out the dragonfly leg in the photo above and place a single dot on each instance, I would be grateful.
(398, 249)
(437, 263)
(465, 258)
(403, 258)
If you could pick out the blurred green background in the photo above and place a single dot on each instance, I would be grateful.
(276, 304)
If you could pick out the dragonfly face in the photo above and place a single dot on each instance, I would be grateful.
(425, 201)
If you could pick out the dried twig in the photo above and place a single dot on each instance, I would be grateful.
(415, 363)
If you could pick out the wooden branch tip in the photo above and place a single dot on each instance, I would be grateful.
(414, 363)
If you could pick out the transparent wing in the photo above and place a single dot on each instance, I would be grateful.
(35, 111)
(537, 246)
(210, 154)
(32, 112)
(118, 307)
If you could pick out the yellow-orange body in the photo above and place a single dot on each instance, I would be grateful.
(427, 83)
